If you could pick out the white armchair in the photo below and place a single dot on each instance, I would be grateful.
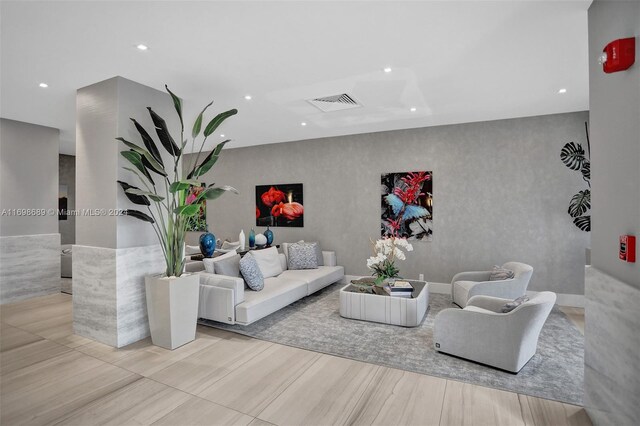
(481, 332)
(465, 285)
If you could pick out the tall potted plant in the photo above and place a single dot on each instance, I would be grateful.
(172, 297)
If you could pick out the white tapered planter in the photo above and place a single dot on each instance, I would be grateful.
(172, 306)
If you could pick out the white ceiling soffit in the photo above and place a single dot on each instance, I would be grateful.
(451, 62)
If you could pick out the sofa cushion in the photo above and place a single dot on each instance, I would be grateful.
(268, 261)
(285, 249)
(316, 278)
(303, 256)
(251, 272)
(229, 266)
(209, 262)
(278, 292)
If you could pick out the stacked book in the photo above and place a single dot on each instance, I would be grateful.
(399, 289)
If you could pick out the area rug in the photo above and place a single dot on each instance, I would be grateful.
(556, 372)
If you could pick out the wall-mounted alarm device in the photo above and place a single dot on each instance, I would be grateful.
(618, 55)
(628, 248)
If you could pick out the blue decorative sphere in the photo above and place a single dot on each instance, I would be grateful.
(269, 234)
(207, 244)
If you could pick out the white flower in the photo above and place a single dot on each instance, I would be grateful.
(399, 254)
(409, 247)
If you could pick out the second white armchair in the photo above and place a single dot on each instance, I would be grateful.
(465, 285)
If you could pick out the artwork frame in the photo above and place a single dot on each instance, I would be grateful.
(407, 205)
(280, 205)
(197, 222)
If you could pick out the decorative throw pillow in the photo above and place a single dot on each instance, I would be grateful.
(229, 266)
(210, 262)
(498, 274)
(268, 261)
(510, 306)
(251, 272)
(319, 257)
(303, 256)
(285, 249)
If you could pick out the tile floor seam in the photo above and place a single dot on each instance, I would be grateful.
(363, 392)
(444, 394)
(308, 365)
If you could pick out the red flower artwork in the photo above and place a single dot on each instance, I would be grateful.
(288, 210)
(272, 196)
(257, 212)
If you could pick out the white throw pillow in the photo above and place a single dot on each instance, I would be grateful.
(268, 261)
(209, 261)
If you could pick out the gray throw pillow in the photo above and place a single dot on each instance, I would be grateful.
(251, 272)
(499, 274)
(303, 256)
(510, 306)
(229, 266)
(319, 257)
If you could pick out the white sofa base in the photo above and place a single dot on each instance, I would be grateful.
(224, 299)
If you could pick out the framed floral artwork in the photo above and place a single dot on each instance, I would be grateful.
(198, 222)
(280, 205)
(407, 205)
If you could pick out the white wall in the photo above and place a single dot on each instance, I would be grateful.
(500, 193)
(28, 176)
(103, 111)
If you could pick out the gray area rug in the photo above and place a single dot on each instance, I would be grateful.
(556, 372)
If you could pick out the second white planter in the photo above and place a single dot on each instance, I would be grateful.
(172, 307)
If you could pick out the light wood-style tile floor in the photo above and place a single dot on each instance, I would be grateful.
(48, 375)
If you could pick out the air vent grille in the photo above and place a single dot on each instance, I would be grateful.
(335, 102)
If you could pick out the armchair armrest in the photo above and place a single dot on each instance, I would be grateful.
(493, 304)
(329, 258)
(471, 276)
(235, 284)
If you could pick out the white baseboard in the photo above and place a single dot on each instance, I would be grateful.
(571, 300)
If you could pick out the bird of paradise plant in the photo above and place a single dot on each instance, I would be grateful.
(168, 205)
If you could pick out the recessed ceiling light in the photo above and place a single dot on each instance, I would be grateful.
(44, 85)
(222, 136)
(561, 91)
(387, 69)
(142, 47)
(247, 97)
(413, 109)
(303, 124)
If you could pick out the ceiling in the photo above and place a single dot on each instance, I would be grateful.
(452, 61)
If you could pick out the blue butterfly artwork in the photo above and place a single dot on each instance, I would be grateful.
(407, 205)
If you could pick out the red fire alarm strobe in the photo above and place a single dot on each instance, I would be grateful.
(618, 55)
(628, 248)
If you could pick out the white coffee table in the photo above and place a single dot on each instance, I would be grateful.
(386, 309)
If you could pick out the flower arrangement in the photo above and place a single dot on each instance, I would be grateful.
(385, 253)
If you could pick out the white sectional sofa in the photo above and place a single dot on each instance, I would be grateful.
(227, 299)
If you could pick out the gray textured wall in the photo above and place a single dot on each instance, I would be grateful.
(28, 176)
(615, 139)
(500, 193)
(103, 111)
(67, 176)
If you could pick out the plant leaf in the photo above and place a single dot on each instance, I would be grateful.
(572, 155)
(187, 210)
(147, 158)
(580, 203)
(586, 170)
(148, 142)
(139, 215)
(177, 103)
(138, 191)
(163, 134)
(209, 161)
(134, 198)
(136, 159)
(217, 120)
(213, 193)
(197, 125)
(583, 223)
(182, 185)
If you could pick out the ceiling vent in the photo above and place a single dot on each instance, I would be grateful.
(334, 103)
